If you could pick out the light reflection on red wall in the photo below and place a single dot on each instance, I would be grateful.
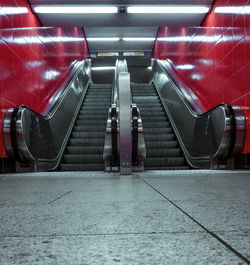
(214, 59)
(35, 60)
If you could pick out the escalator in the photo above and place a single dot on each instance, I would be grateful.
(84, 151)
(82, 131)
(162, 148)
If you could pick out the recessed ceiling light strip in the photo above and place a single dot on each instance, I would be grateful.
(75, 9)
(191, 9)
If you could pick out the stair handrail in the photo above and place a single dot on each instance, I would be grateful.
(207, 139)
(41, 139)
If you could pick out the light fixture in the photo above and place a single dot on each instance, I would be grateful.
(103, 39)
(138, 39)
(185, 67)
(13, 10)
(103, 68)
(75, 9)
(232, 9)
(168, 9)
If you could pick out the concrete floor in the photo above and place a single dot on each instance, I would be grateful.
(156, 217)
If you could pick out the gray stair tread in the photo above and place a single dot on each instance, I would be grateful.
(84, 151)
(162, 151)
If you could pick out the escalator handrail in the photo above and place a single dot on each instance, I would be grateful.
(120, 66)
(114, 134)
(20, 148)
(233, 121)
(135, 128)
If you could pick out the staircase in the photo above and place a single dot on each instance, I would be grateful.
(162, 150)
(84, 151)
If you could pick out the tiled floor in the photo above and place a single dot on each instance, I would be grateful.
(156, 217)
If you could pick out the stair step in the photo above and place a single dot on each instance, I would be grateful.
(91, 122)
(93, 111)
(92, 117)
(160, 145)
(79, 128)
(164, 162)
(84, 149)
(156, 131)
(167, 168)
(156, 124)
(95, 108)
(154, 119)
(82, 167)
(175, 152)
(78, 135)
(82, 158)
(86, 142)
(159, 137)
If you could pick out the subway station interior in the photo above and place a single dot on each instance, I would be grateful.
(124, 132)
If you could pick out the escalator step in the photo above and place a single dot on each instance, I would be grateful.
(92, 117)
(86, 142)
(175, 152)
(92, 111)
(147, 109)
(82, 167)
(153, 119)
(159, 137)
(156, 124)
(78, 128)
(84, 149)
(89, 123)
(154, 131)
(78, 135)
(167, 168)
(82, 158)
(165, 162)
(157, 145)
(95, 108)
(154, 112)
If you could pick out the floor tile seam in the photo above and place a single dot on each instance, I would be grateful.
(106, 234)
(214, 235)
(80, 202)
(213, 200)
(121, 233)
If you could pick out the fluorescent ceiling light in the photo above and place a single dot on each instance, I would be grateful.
(103, 68)
(232, 9)
(75, 9)
(168, 9)
(139, 39)
(103, 39)
(13, 10)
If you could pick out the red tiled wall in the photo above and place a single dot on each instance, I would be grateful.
(214, 59)
(34, 60)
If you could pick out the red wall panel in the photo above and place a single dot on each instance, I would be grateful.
(214, 59)
(34, 60)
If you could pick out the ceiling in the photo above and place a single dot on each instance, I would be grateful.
(120, 24)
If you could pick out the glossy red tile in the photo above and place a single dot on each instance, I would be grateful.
(219, 53)
(35, 61)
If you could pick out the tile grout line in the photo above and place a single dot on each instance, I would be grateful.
(236, 252)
